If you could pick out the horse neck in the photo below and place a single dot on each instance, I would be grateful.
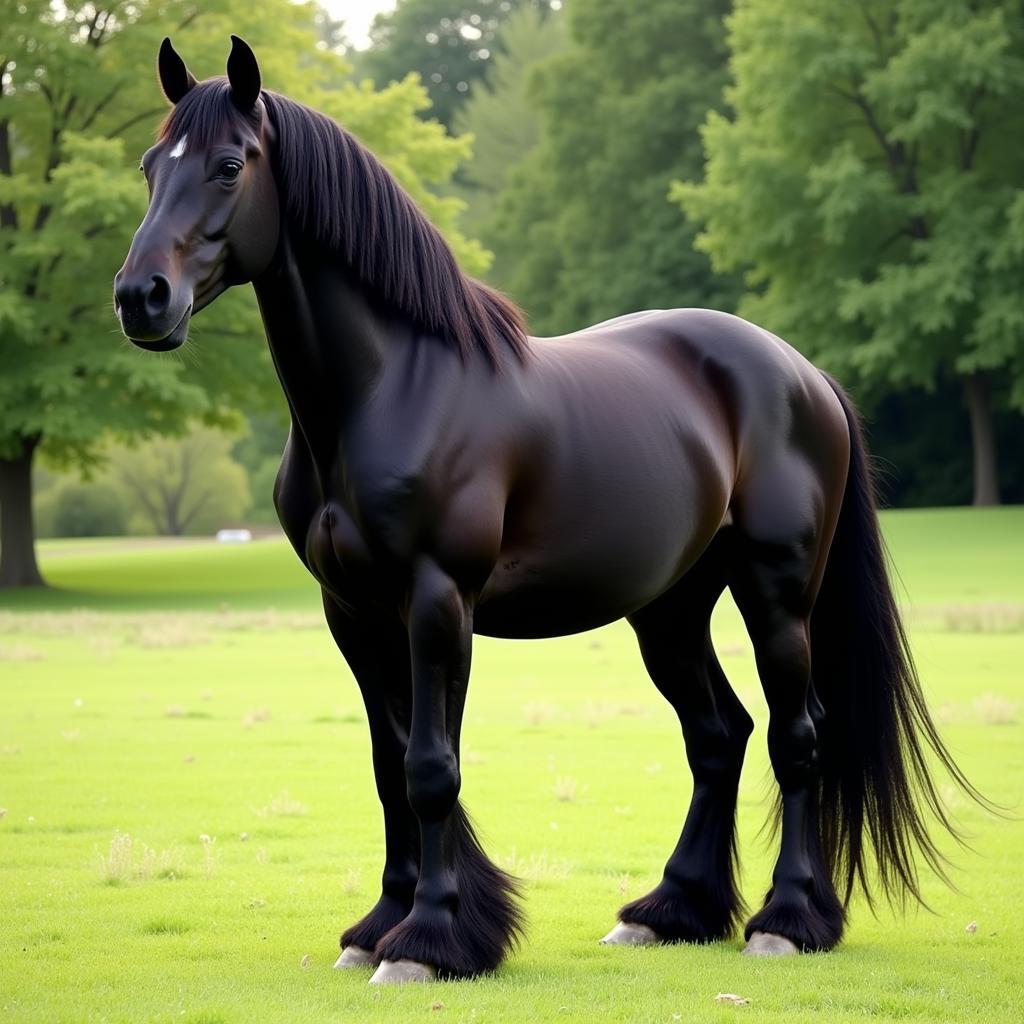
(328, 341)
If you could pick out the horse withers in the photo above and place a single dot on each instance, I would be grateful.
(446, 475)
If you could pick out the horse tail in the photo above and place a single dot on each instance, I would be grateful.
(876, 786)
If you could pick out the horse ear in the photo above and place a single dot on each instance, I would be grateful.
(175, 78)
(243, 74)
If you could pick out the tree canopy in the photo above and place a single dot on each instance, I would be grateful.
(867, 181)
(448, 43)
(182, 485)
(75, 114)
(505, 126)
(585, 230)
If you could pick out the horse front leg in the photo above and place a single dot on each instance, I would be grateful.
(378, 655)
(464, 918)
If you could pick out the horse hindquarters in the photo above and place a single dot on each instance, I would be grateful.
(848, 749)
(784, 515)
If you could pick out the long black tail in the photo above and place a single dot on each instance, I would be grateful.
(876, 786)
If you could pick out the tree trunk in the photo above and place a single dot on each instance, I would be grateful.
(983, 438)
(18, 566)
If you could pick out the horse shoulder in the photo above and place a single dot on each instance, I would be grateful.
(296, 493)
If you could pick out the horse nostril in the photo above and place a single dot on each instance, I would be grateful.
(159, 297)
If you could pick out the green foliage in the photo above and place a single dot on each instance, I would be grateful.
(88, 510)
(504, 124)
(921, 443)
(259, 452)
(182, 485)
(448, 43)
(868, 183)
(78, 105)
(585, 227)
(261, 484)
(75, 113)
(264, 437)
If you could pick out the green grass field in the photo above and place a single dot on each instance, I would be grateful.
(170, 692)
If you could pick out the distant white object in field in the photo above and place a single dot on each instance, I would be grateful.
(234, 536)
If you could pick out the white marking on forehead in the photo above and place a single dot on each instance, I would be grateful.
(179, 147)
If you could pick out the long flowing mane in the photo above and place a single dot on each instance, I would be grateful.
(338, 193)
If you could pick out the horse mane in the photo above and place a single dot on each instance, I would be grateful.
(337, 192)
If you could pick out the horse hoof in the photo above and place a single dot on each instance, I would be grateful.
(398, 972)
(769, 944)
(624, 934)
(354, 956)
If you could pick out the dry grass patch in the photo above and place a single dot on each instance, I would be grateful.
(254, 717)
(983, 618)
(538, 712)
(733, 650)
(281, 806)
(565, 789)
(209, 854)
(20, 652)
(985, 709)
(104, 644)
(992, 709)
(128, 860)
(594, 713)
(154, 629)
(536, 867)
(171, 633)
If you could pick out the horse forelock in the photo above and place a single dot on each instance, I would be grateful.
(203, 115)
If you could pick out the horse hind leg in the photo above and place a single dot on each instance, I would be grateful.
(780, 560)
(697, 898)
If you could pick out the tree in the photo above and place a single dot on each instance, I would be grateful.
(259, 452)
(180, 485)
(868, 182)
(78, 105)
(448, 43)
(924, 453)
(584, 227)
(504, 124)
(88, 510)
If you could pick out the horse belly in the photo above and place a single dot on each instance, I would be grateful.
(588, 569)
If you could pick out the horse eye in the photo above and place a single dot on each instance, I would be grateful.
(229, 170)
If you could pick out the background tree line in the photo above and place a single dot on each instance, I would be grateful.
(848, 174)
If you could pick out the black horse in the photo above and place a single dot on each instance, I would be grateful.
(445, 475)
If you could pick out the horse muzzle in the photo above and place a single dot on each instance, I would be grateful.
(175, 339)
(150, 317)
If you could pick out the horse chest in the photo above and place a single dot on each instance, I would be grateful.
(353, 558)
(337, 553)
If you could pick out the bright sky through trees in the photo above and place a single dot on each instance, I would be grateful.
(358, 15)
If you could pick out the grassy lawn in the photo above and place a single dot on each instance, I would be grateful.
(171, 691)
